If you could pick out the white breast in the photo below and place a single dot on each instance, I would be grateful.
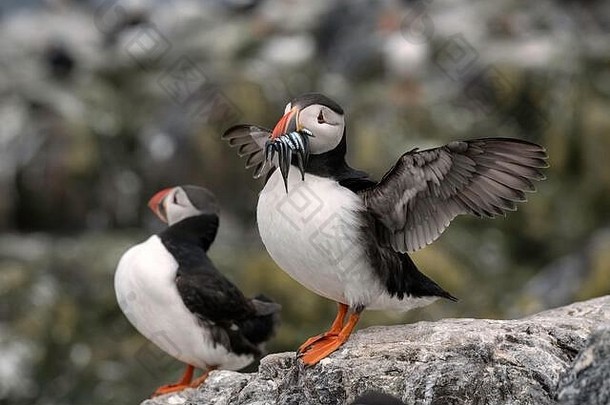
(147, 294)
(313, 233)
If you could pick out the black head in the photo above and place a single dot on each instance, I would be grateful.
(307, 99)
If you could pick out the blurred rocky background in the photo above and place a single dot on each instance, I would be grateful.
(104, 102)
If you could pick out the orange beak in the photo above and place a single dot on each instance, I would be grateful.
(286, 124)
(156, 203)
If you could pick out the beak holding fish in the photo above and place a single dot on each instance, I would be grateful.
(287, 141)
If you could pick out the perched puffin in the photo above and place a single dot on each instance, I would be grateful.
(173, 294)
(345, 236)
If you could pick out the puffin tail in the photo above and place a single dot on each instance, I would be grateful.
(262, 326)
(419, 284)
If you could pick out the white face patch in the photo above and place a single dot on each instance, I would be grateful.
(178, 206)
(326, 125)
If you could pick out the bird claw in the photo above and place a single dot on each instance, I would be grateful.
(285, 146)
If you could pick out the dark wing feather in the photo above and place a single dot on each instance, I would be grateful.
(209, 295)
(358, 182)
(250, 141)
(220, 306)
(417, 198)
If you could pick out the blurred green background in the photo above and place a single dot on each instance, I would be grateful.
(102, 103)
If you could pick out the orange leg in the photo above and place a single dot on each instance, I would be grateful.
(180, 385)
(204, 376)
(335, 328)
(325, 346)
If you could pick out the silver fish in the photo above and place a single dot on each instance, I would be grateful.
(287, 145)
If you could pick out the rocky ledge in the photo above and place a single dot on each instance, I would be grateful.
(559, 356)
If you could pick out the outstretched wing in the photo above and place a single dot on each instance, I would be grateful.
(417, 198)
(250, 141)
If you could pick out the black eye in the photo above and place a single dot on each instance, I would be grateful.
(175, 199)
(321, 118)
(162, 211)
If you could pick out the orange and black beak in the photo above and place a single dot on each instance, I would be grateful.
(288, 123)
(156, 203)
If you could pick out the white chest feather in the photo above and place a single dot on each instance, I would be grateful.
(313, 233)
(147, 294)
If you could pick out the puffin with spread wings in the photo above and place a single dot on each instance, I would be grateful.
(347, 237)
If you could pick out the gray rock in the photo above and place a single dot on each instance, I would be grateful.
(452, 361)
(588, 381)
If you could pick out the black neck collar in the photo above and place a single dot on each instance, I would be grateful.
(200, 230)
(329, 164)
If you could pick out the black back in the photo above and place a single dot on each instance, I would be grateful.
(219, 305)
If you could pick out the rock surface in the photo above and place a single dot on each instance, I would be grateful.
(588, 381)
(452, 361)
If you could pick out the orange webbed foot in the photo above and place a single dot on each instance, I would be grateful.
(313, 340)
(169, 388)
(328, 343)
(179, 386)
(321, 349)
(200, 380)
(335, 328)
